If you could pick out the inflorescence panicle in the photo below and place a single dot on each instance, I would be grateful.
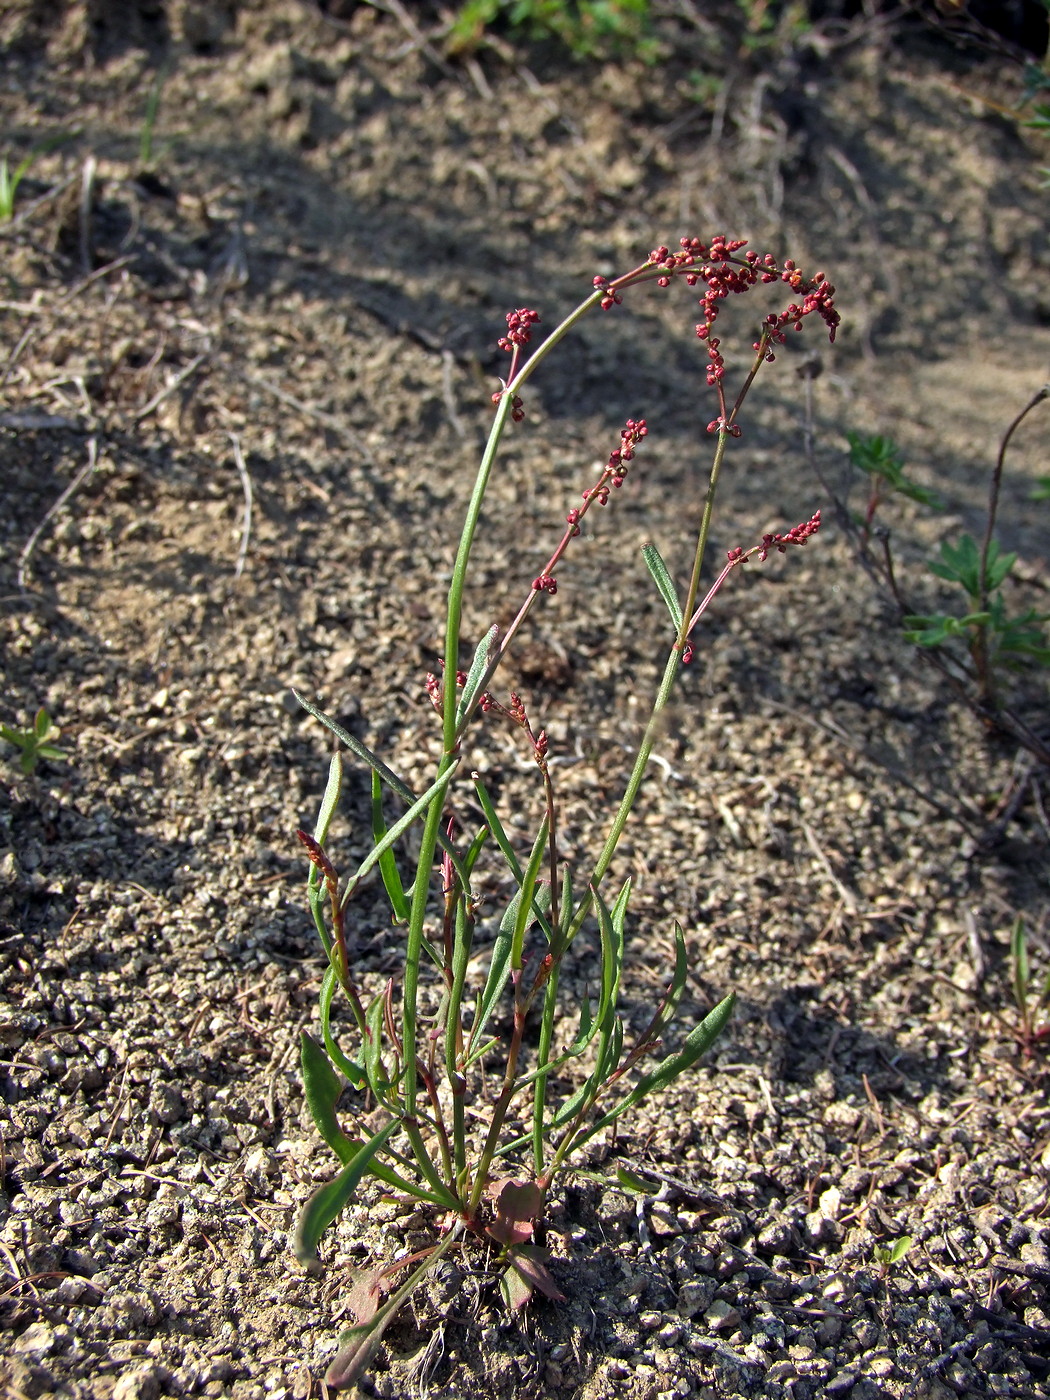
(722, 272)
(798, 534)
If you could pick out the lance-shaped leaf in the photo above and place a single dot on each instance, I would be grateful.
(354, 1073)
(610, 1060)
(631, 1182)
(374, 762)
(487, 649)
(697, 1042)
(315, 890)
(499, 966)
(1019, 962)
(323, 1087)
(611, 931)
(503, 842)
(525, 915)
(662, 578)
(434, 793)
(375, 1069)
(665, 1012)
(327, 1201)
(395, 891)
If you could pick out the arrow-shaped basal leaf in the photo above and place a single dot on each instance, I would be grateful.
(327, 1201)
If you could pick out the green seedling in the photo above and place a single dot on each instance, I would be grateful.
(881, 460)
(149, 121)
(9, 183)
(34, 742)
(586, 28)
(1032, 1003)
(11, 179)
(887, 1255)
(996, 638)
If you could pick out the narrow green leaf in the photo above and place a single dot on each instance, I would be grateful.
(499, 967)
(699, 1040)
(315, 892)
(357, 748)
(662, 578)
(354, 1073)
(327, 1201)
(610, 928)
(609, 968)
(1019, 960)
(669, 1006)
(486, 649)
(391, 876)
(474, 850)
(378, 1079)
(434, 793)
(528, 888)
(377, 765)
(610, 1052)
(507, 850)
(572, 1105)
(323, 1087)
(565, 909)
(587, 1031)
(630, 1181)
(496, 827)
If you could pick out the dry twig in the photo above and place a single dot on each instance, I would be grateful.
(74, 486)
(246, 486)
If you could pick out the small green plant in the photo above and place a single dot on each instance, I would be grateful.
(992, 636)
(34, 742)
(9, 183)
(149, 121)
(767, 24)
(11, 179)
(996, 639)
(883, 463)
(977, 643)
(478, 1114)
(1032, 1005)
(587, 28)
(887, 1255)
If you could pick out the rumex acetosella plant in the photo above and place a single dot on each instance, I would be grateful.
(476, 1122)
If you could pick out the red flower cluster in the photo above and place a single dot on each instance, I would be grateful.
(723, 273)
(519, 328)
(798, 534)
(436, 690)
(615, 470)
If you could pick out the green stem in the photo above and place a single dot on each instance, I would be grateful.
(499, 1110)
(543, 1053)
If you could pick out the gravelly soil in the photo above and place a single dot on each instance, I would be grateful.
(303, 293)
